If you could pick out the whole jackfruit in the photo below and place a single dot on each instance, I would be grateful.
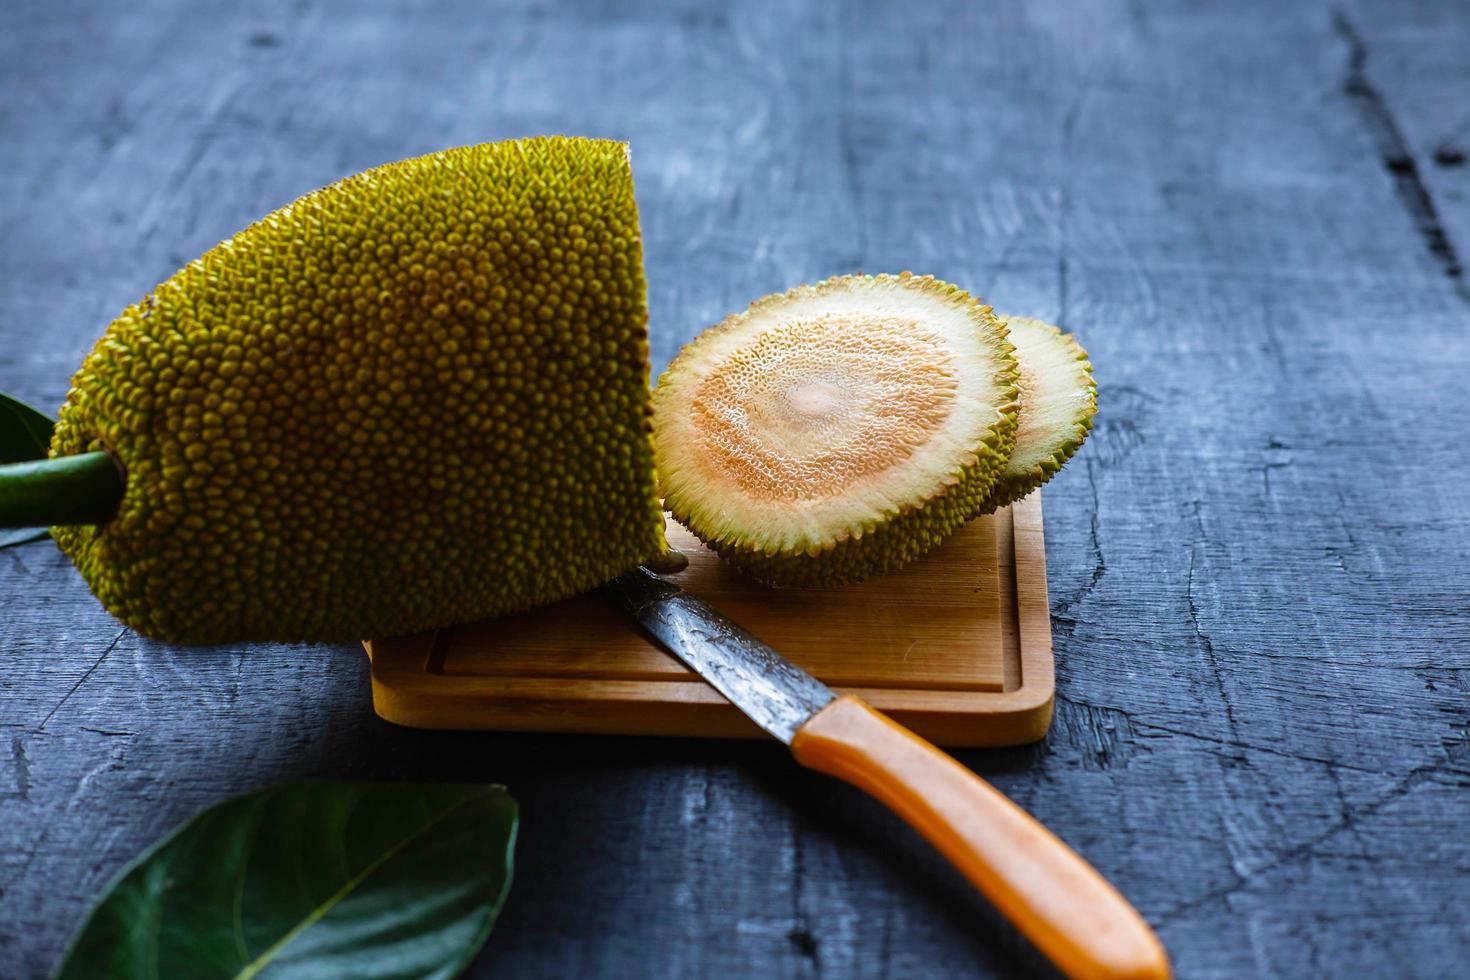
(838, 430)
(1058, 401)
(415, 397)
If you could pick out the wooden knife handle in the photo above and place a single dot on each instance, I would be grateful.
(1051, 894)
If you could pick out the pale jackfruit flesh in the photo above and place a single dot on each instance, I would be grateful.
(1058, 401)
(838, 430)
(415, 397)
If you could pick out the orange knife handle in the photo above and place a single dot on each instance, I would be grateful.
(1053, 896)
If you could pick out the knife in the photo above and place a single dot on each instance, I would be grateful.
(1046, 889)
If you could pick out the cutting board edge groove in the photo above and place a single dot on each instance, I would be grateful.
(412, 688)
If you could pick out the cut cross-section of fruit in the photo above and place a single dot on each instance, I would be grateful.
(1058, 401)
(836, 431)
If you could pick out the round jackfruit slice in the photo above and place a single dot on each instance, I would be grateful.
(1058, 401)
(838, 430)
(416, 397)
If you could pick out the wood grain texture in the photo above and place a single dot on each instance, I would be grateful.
(1258, 563)
(956, 646)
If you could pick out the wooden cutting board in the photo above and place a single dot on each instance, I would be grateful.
(957, 646)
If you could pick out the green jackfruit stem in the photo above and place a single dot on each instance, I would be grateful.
(84, 489)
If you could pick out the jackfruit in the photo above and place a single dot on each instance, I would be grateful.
(1058, 401)
(416, 397)
(838, 430)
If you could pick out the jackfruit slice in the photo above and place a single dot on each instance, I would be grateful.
(416, 397)
(838, 430)
(1058, 401)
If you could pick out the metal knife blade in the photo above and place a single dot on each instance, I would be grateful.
(774, 693)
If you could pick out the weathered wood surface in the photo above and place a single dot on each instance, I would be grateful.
(1250, 212)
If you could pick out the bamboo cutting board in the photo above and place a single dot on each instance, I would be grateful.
(957, 646)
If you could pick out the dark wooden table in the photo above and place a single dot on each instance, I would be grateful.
(1254, 214)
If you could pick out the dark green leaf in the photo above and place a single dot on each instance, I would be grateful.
(311, 880)
(25, 432)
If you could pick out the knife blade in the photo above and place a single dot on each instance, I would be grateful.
(768, 688)
(1072, 914)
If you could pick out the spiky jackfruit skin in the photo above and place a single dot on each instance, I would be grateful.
(415, 397)
(878, 542)
(1058, 402)
(890, 545)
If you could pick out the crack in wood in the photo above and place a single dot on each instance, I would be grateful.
(1105, 736)
(1139, 726)
(82, 680)
(1099, 560)
(1396, 155)
(1206, 644)
(1348, 821)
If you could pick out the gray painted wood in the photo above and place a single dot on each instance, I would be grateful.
(1258, 565)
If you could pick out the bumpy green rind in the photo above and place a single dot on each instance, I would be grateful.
(413, 398)
(891, 545)
(1015, 483)
(890, 541)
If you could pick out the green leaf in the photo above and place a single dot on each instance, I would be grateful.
(25, 433)
(311, 880)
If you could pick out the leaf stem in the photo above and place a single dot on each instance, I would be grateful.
(84, 489)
